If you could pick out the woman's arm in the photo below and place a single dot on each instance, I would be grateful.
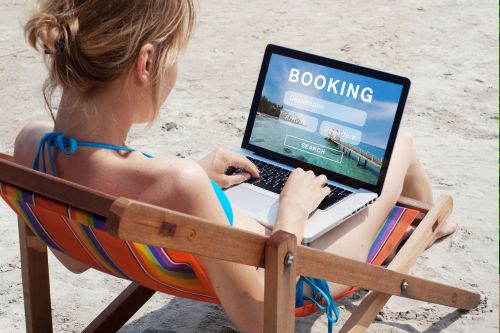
(240, 288)
(302, 194)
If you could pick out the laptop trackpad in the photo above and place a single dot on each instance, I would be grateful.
(249, 200)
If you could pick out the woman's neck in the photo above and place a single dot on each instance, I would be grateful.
(102, 118)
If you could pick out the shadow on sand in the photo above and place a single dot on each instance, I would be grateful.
(186, 316)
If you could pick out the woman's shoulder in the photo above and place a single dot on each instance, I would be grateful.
(159, 166)
(27, 138)
(161, 179)
(176, 170)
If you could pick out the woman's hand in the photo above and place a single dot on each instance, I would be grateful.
(301, 195)
(217, 162)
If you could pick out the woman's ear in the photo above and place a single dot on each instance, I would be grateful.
(144, 64)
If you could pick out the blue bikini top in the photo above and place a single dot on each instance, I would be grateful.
(68, 145)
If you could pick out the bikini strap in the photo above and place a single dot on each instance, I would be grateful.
(320, 291)
(67, 145)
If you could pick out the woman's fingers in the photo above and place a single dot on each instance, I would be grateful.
(240, 161)
(305, 189)
(326, 190)
(236, 179)
(321, 179)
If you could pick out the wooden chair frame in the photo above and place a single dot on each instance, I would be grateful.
(279, 254)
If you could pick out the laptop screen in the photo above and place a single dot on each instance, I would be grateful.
(325, 116)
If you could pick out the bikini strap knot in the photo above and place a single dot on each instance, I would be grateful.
(67, 145)
(61, 142)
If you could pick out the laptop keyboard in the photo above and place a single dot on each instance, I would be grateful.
(273, 178)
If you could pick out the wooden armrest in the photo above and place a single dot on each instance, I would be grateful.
(148, 224)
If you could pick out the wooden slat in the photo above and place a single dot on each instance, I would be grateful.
(6, 157)
(359, 321)
(153, 225)
(423, 235)
(280, 277)
(118, 312)
(413, 204)
(56, 188)
(143, 223)
(321, 265)
(36, 286)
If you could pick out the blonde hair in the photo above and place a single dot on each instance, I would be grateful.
(89, 42)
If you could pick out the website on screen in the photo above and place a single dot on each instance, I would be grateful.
(337, 120)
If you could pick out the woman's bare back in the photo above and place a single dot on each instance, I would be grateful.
(117, 173)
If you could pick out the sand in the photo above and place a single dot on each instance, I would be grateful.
(449, 49)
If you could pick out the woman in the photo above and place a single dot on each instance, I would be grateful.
(116, 63)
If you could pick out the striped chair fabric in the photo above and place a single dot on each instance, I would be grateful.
(83, 236)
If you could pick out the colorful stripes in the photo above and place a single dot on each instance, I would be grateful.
(90, 220)
(37, 227)
(161, 274)
(94, 248)
(83, 236)
(160, 258)
(384, 232)
(390, 234)
(20, 202)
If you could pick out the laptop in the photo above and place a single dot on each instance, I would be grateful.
(324, 115)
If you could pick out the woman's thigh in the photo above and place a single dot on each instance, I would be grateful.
(354, 237)
(245, 222)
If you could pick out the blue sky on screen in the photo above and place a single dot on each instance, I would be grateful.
(381, 110)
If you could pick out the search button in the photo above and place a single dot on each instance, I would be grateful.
(313, 148)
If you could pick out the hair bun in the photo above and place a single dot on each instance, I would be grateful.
(52, 33)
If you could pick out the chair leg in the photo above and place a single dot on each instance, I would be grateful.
(371, 305)
(35, 276)
(279, 284)
(120, 310)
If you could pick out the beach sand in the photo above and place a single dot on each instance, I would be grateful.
(449, 50)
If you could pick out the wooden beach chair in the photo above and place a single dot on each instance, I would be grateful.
(104, 232)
